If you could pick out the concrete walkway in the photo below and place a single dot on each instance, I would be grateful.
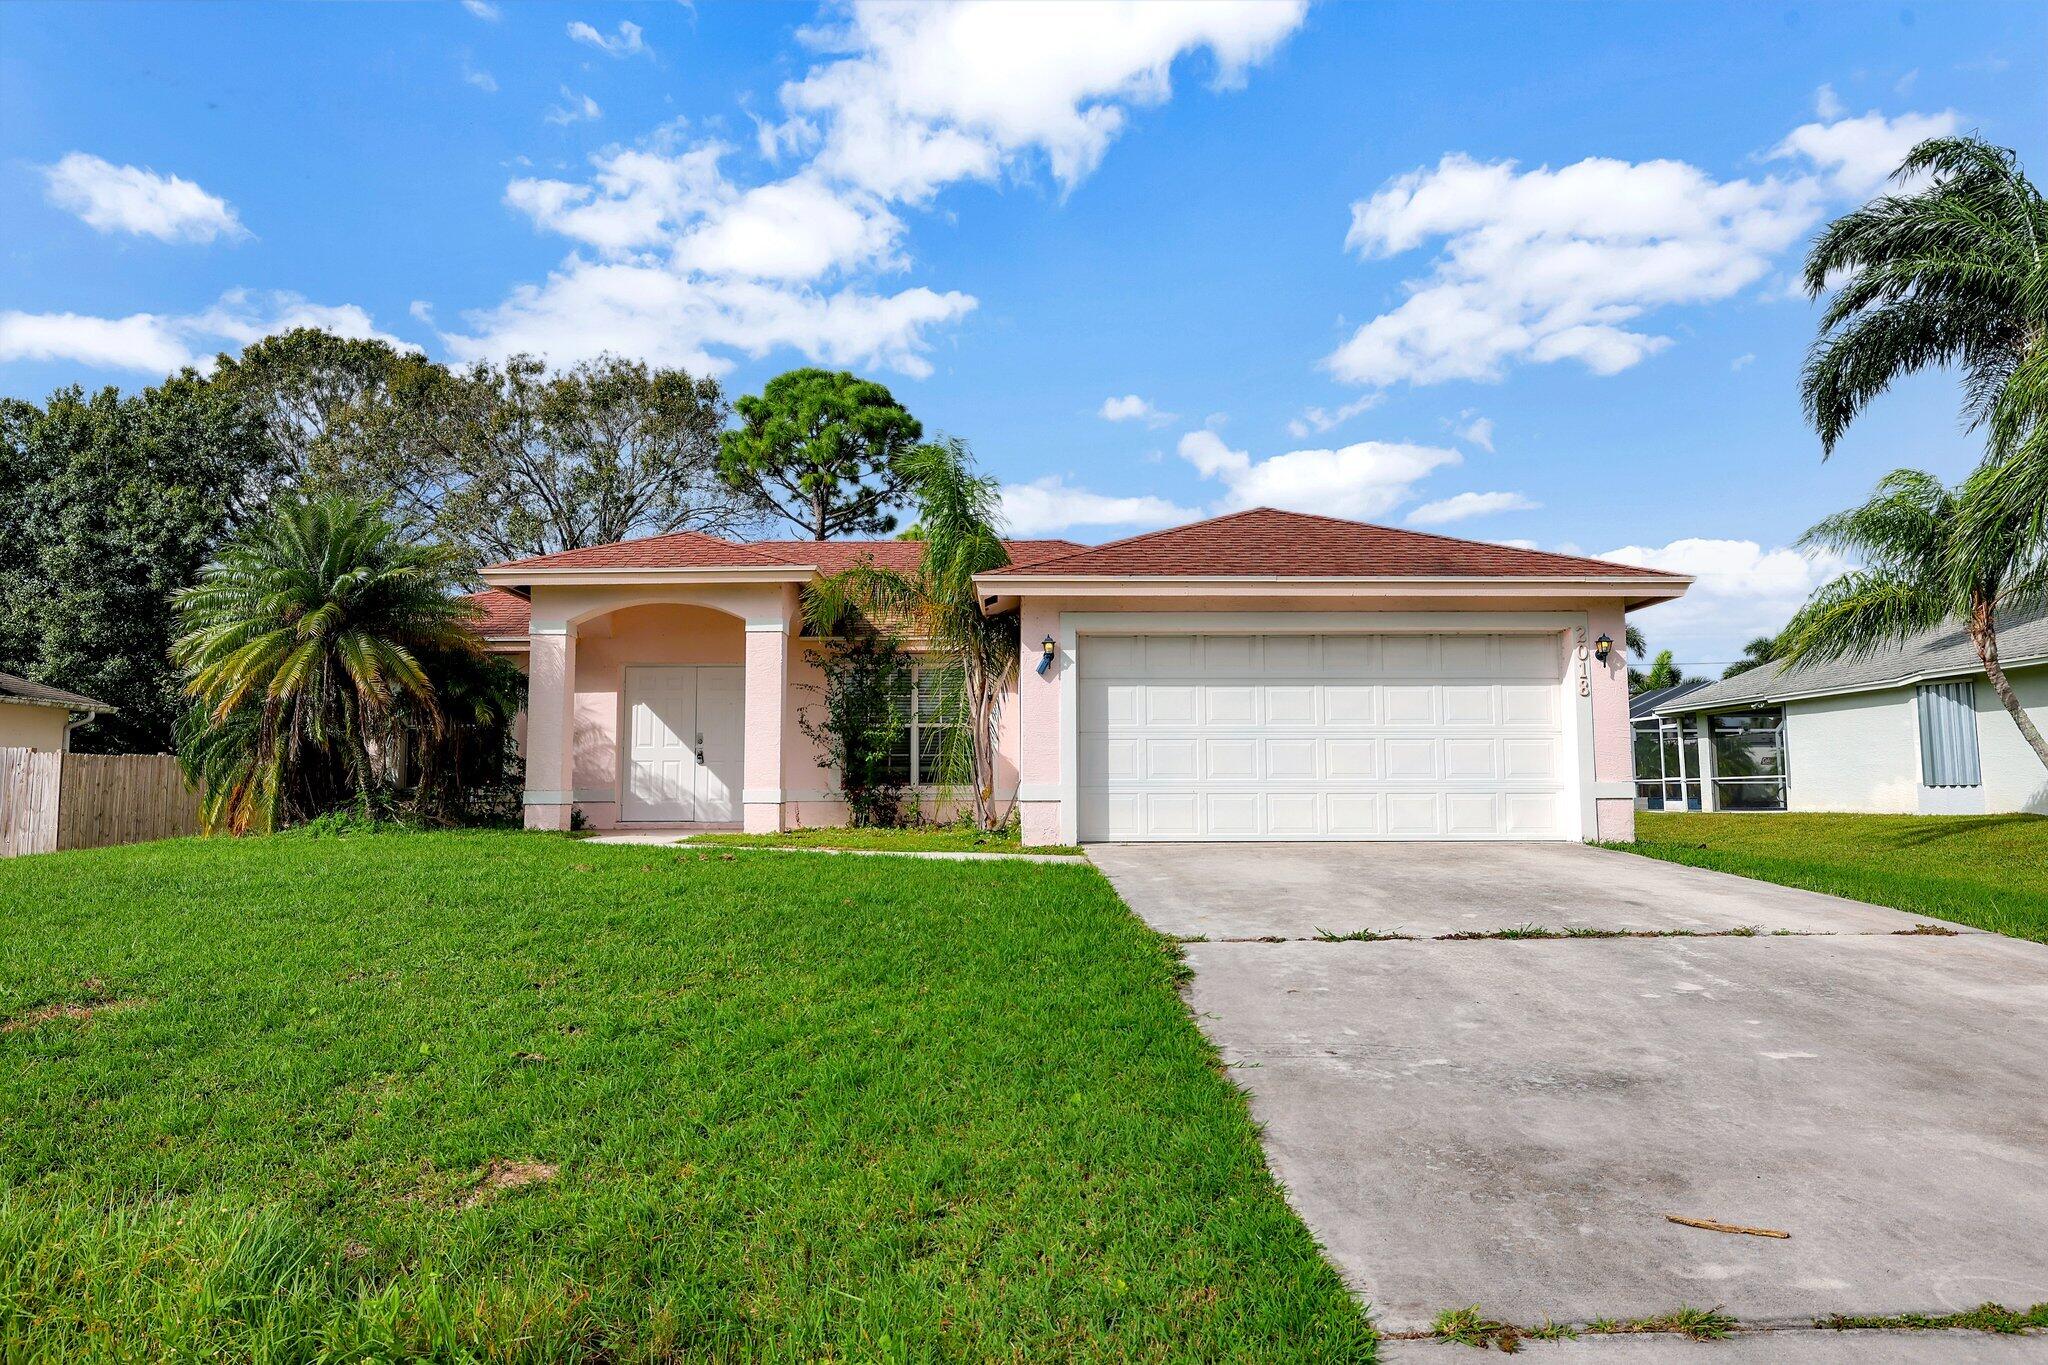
(1507, 1121)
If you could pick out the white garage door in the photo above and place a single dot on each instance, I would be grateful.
(1321, 737)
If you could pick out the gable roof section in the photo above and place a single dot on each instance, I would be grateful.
(500, 613)
(1943, 652)
(1267, 543)
(19, 689)
(695, 550)
(830, 556)
(676, 550)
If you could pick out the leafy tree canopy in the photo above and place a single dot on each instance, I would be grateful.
(109, 505)
(825, 451)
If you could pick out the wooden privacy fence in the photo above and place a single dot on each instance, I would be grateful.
(52, 801)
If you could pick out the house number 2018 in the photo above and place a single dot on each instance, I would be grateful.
(1585, 672)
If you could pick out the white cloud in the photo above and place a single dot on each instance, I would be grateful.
(1132, 408)
(1857, 155)
(1743, 361)
(1049, 505)
(1464, 505)
(132, 199)
(574, 108)
(155, 343)
(587, 308)
(141, 341)
(795, 229)
(482, 80)
(1364, 480)
(1474, 430)
(483, 9)
(680, 264)
(1827, 104)
(1315, 421)
(918, 96)
(628, 40)
(1544, 265)
(1741, 590)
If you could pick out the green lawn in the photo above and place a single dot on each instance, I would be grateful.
(922, 839)
(516, 1097)
(1990, 871)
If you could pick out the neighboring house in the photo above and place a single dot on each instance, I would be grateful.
(35, 716)
(1914, 728)
(1262, 675)
(1667, 768)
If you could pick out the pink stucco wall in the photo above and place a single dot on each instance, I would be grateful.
(1030, 723)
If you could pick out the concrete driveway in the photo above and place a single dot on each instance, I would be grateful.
(1508, 1121)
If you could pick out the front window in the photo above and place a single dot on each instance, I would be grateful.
(1749, 759)
(929, 708)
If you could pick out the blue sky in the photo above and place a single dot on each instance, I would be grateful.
(1510, 272)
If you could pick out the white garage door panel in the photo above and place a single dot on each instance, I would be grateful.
(1321, 737)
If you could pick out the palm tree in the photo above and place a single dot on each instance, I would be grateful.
(1758, 652)
(302, 650)
(1931, 554)
(936, 605)
(1953, 273)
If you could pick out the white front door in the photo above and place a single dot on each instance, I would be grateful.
(685, 727)
(1321, 737)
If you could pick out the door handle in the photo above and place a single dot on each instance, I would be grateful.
(700, 746)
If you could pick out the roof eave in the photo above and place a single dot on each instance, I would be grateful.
(85, 704)
(515, 579)
(1777, 697)
(1637, 591)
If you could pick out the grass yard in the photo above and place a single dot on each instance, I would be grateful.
(921, 839)
(1990, 871)
(516, 1097)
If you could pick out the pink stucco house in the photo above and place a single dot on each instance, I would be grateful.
(1260, 676)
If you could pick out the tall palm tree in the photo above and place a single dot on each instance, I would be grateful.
(1952, 273)
(302, 650)
(1931, 554)
(936, 606)
(1758, 652)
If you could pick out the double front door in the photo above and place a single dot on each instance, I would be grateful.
(684, 743)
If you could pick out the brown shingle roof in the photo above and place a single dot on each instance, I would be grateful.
(677, 550)
(1264, 543)
(695, 550)
(500, 612)
(21, 689)
(833, 555)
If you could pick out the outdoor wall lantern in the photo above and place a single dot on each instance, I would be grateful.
(1602, 647)
(1048, 649)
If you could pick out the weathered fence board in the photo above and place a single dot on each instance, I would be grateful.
(51, 801)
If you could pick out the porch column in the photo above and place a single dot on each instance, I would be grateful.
(550, 726)
(767, 707)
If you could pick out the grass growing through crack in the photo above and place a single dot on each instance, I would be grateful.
(1989, 871)
(1986, 1317)
(519, 1098)
(1471, 1327)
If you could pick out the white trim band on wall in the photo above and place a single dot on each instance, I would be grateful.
(544, 798)
(1614, 791)
(1039, 791)
(767, 627)
(761, 796)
